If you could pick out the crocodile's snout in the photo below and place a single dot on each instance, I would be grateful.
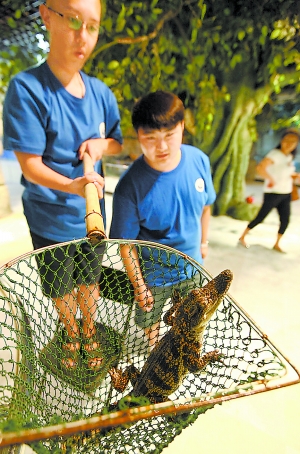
(211, 295)
(222, 281)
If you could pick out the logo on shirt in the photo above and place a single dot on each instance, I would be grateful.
(102, 130)
(199, 185)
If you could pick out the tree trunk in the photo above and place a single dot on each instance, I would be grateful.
(230, 157)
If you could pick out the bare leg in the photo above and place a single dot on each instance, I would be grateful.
(242, 238)
(66, 308)
(276, 246)
(152, 333)
(87, 298)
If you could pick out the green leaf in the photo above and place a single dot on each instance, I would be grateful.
(216, 37)
(169, 69)
(210, 117)
(126, 61)
(11, 22)
(127, 92)
(107, 24)
(241, 35)
(194, 35)
(130, 32)
(18, 14)
(264, 30)
(275, 33)
(277, 60)
(109, 81)
(120, 25)
(262, 40)
(237, 58)
(114, 64)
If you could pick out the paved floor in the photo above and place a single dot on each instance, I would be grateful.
(267, 285)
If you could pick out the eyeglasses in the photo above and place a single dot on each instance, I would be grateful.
(75, 23)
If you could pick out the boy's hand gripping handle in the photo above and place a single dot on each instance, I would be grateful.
(93, 219)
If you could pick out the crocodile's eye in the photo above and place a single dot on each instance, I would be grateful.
(195, 314)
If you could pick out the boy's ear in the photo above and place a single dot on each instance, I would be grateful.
(45, 15)
(182, 125)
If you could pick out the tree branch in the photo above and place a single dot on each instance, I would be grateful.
(139, 39)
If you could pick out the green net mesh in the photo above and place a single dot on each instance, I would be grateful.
(38, 391)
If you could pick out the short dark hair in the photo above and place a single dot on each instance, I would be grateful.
(157, 110)
(289, 131)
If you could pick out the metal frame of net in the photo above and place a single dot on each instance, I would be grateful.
(57, 410)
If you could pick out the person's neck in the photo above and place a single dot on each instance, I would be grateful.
(69, 77)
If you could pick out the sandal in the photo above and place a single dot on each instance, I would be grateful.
(93, 351)
(70, 352)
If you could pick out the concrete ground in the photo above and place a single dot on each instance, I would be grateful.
(267, 285)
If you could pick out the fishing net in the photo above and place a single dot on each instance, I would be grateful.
(55, 409)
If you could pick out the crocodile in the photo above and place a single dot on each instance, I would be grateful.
(179, 350)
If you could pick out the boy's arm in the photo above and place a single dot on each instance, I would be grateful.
(204, 224)
(35, 171)
(97, 148)
(131, 262)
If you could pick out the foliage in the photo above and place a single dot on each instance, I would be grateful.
(286, 115)
(20, 28)
(224, 59)
(199, 49)
(12, 61)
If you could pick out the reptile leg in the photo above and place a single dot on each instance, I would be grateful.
(176, 302)
(209, 357)
(133, 374)
(120, 379)
(195, 363)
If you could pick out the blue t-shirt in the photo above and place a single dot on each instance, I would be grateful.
(164, 207)
(40, 117)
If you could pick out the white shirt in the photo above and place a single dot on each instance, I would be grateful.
(281, 171)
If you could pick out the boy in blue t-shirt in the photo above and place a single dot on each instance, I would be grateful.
(53, 114)
(164, 197)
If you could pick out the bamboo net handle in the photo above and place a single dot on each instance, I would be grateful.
(93, 218)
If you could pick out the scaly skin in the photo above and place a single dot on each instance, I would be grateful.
(179, 351)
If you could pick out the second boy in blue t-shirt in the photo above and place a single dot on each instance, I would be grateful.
(164, 197)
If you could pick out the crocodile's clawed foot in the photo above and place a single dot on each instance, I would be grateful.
(211, 357)
(216, 355)
(220, 358)
(119, 379)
